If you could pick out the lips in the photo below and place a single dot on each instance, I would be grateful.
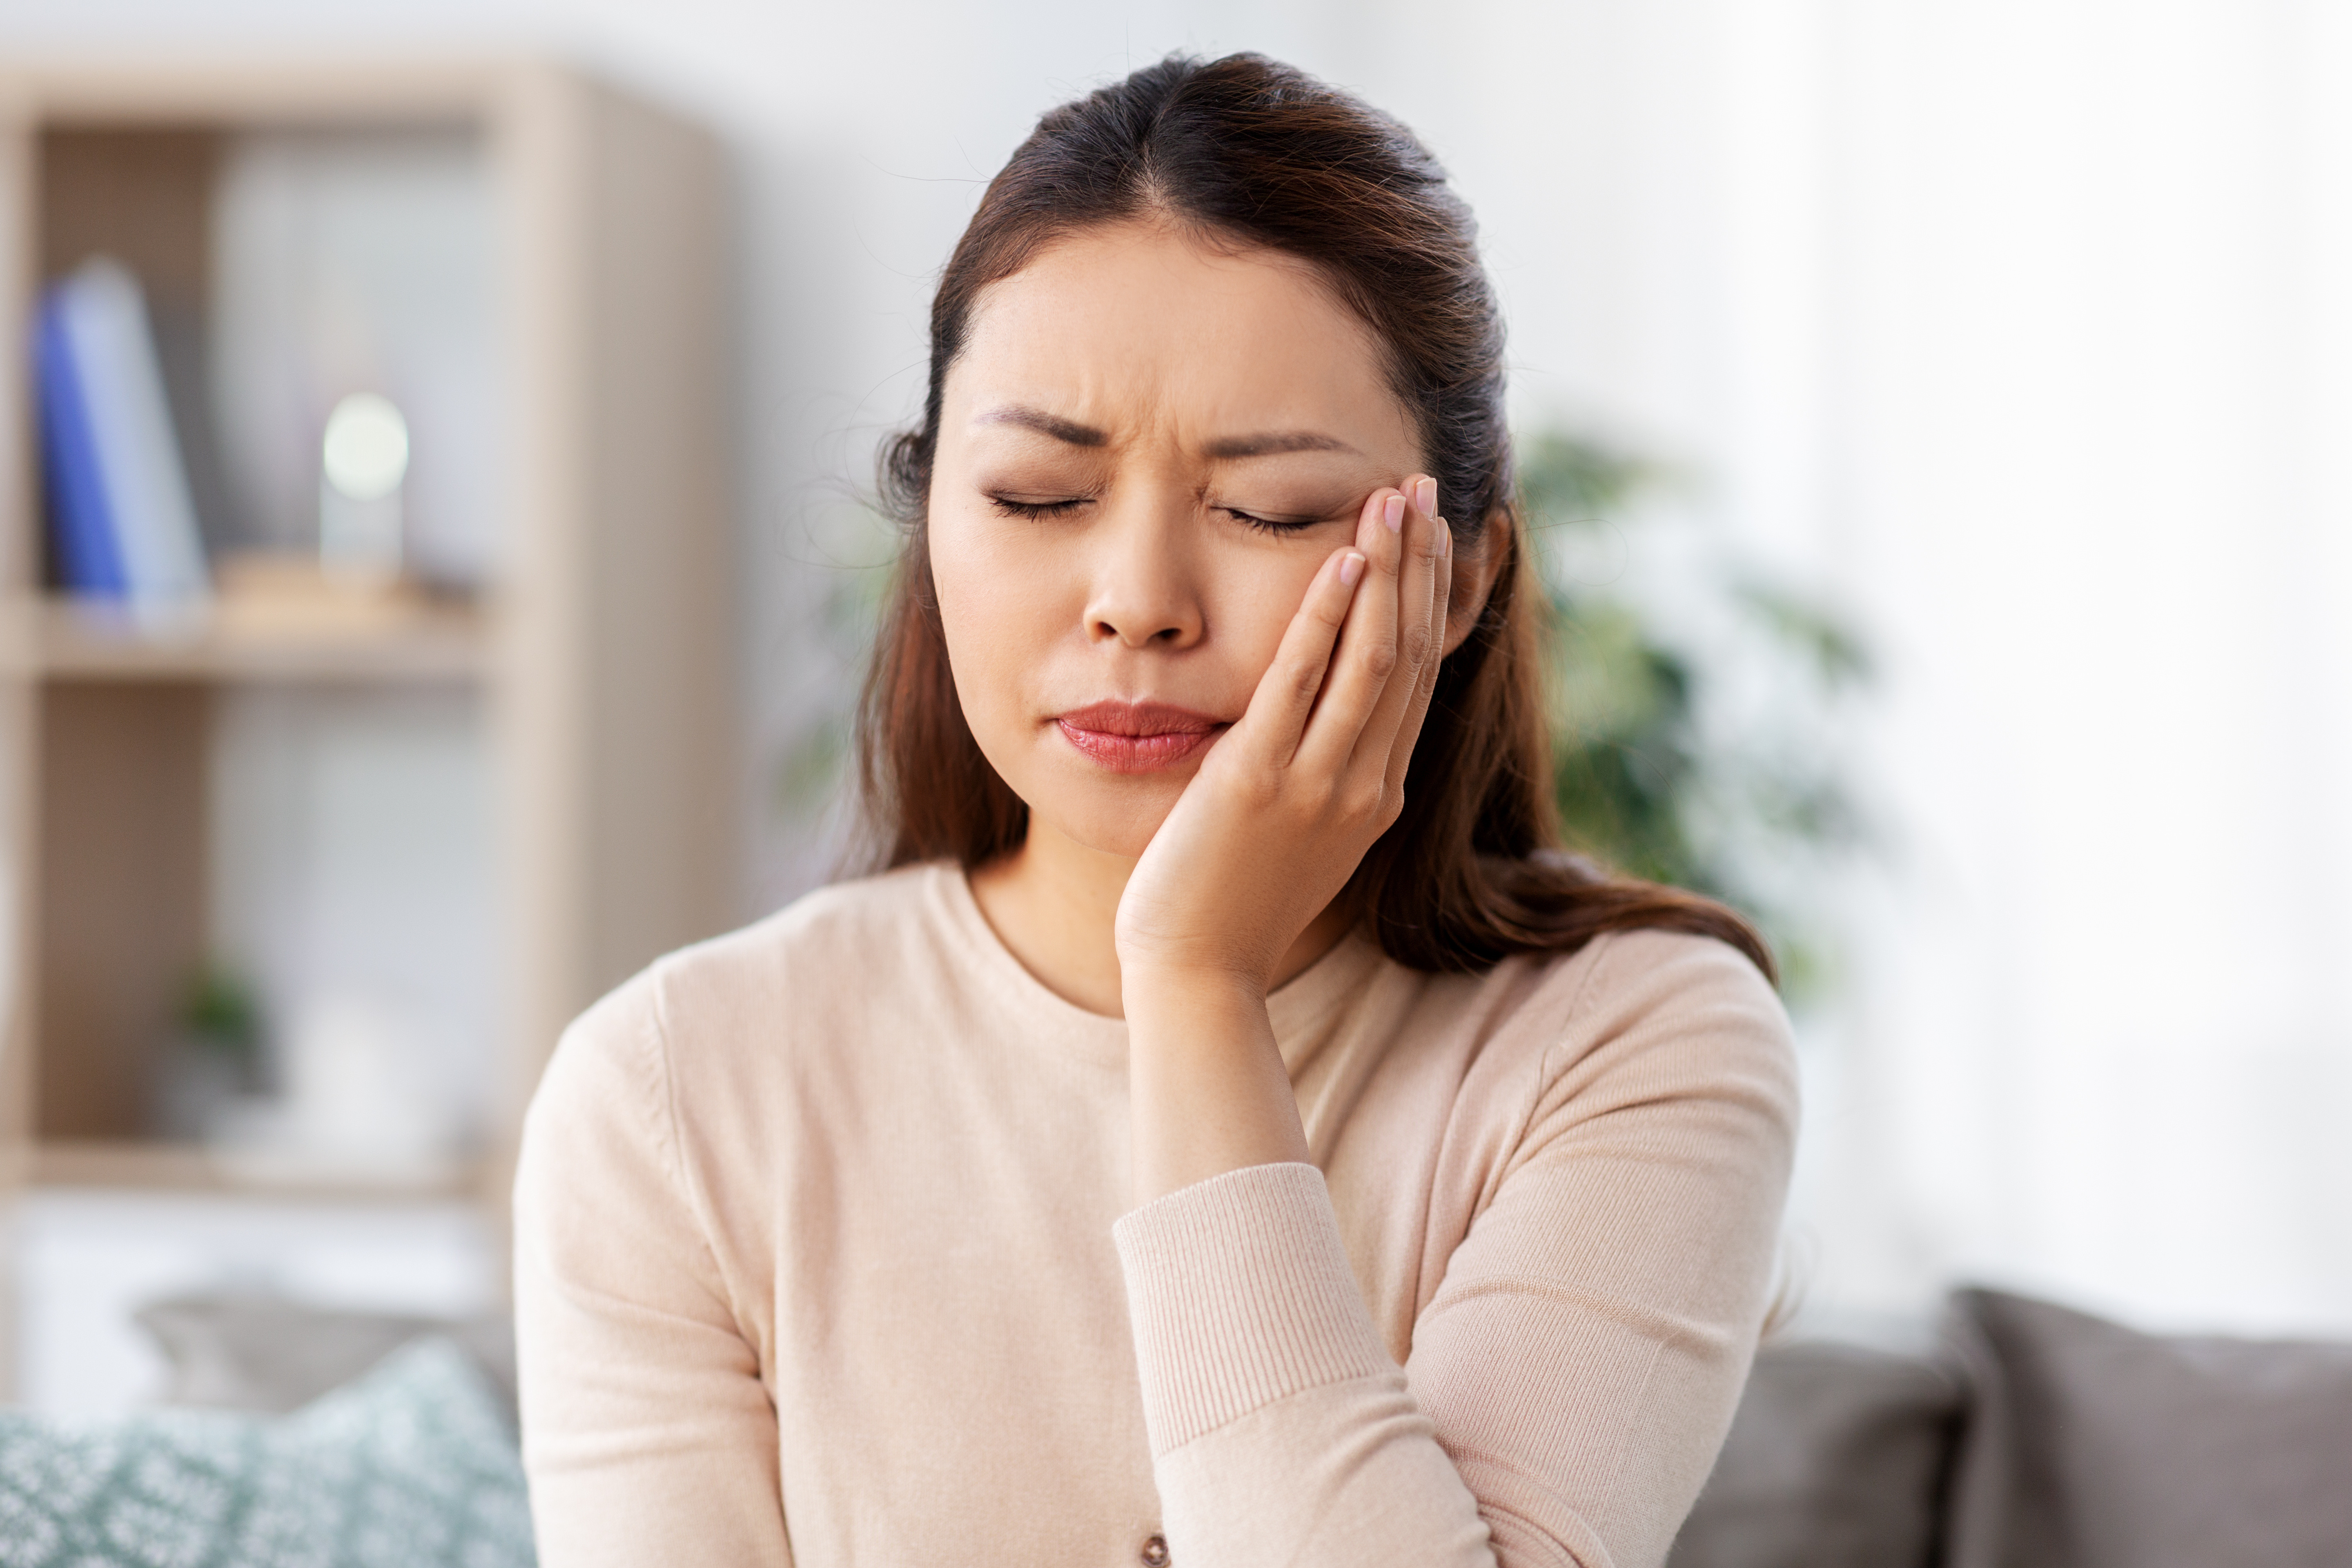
(1138, 737)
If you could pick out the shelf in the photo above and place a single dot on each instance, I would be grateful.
(47, 639)
(300, 758)
(156, 1167)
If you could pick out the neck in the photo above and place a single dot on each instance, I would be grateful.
(1053, 902)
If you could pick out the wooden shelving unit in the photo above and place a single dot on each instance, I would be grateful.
(599, 657)
(45, 640)
(147, 1165)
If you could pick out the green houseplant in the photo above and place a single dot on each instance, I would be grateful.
(1658, 770)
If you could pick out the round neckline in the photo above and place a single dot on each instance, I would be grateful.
(1294, 1007)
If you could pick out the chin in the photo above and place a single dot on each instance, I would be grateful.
(1109, 819)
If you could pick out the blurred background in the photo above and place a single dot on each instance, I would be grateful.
(1936, 423)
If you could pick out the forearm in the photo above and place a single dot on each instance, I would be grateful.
(1281, 1430)
(1253, 1277)
(1208, 1091)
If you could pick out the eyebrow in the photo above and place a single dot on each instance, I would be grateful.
(1275, 441)
(1265, 444)
(1037, 419)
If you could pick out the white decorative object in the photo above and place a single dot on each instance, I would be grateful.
(362, 260)
(357, 1102)
(362, 460)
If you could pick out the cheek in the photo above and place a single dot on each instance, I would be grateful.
(998, 615)
(1261, 594)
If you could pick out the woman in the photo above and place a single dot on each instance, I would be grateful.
(1231, 1133)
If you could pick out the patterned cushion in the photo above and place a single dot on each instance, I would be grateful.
(412, 1465)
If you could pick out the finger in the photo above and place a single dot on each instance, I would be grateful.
(1420, 632)
(1399, 756)
(1361, 665)
(1279, 708)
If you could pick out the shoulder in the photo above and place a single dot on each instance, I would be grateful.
(1671, 979)
(1635, 1016)
(830, 951)
(850, 939)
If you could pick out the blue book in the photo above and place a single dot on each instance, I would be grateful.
(132, 490)
(89, 559)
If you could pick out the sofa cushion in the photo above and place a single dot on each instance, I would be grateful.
(2098, 1446)
(413, 1464)
(247, 1351)
(1837, 1458)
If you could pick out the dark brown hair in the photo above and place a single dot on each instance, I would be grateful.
(1247, 151)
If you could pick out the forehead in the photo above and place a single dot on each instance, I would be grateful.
(1138, 328)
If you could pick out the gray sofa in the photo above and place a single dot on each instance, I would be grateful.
(2023, 1436)
(2030, 1435)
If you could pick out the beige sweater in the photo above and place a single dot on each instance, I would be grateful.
(820, 1260)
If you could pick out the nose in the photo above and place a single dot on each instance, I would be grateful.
(1146, 591)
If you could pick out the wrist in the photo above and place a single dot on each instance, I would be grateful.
(1150, 991)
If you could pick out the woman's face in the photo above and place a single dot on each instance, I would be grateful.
(1146, 451)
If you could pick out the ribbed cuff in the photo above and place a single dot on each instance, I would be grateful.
(1240, 1294)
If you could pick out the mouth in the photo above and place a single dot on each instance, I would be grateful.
(1136, 737)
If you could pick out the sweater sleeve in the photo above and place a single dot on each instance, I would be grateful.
(648, 1435)
(1574, 1372)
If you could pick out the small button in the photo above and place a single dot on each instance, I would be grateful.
(1155, 1553)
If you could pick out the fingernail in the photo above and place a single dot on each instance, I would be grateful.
(1351, 566)
(1392, 513)
(1444, 538)
(1424, 497)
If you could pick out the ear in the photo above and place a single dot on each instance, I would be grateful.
(1474, 572)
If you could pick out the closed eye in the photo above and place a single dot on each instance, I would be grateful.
(1038, 510)
(1035, 511)
(1268, 524)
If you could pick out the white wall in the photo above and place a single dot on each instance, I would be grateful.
(2025, 327)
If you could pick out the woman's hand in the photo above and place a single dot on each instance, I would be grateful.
(1288, 800)
(1266, 836)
